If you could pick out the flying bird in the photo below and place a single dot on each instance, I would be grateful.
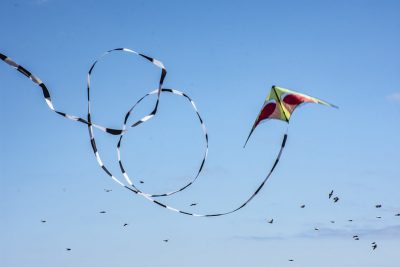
(125, 224)
(166, 240)
(107, 190)
(43, 221)
(141, 182)
(193, 204)
(378, 206)
(303, 206)
(291, 260)
(331, 194)
(335, 199)
(374, 246)
(350, 220)
(378, 217)
(398, 214)
(316, 228)
(271, 221)
(68, 249)
(102, 212)
(332, 221)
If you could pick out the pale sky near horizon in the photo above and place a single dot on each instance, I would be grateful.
(225, 55)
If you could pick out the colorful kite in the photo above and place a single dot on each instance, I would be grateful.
(279, 105)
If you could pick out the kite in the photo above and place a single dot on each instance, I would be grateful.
(279, 105)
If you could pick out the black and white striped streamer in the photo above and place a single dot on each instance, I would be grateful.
(129, 181)
(204, 129)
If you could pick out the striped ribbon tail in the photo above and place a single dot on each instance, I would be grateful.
(129, 182)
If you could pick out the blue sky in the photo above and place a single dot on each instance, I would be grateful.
(226, 56)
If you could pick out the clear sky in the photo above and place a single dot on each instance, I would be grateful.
(226, 56)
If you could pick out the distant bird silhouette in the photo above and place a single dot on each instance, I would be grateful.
(271, 221)
(335, 199)
(141, 182)
(398, 214)
(378, 206)
(291, 260)
(68, 249)
(332, 221)
(108, 190)
(331, 194)
(193, 204)
(350, 220)
(102, 211)
(125, 224)
(356, 238)
(316, 228)
(378, 217)
(374, 246)
(166, 240)
(303, 206)
(43, 221)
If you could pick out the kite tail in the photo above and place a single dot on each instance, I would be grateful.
(121, 132)
(247, 201)
(252, 129)
(50, 104)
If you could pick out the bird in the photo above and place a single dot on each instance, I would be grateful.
(374, 246)
(332, 221)
(303, 206)
(68, 249)
(43, 221)
(193, 204)
(271, 221)
(331, 194)
(291, 260)
(125, 224)
(108, 190)
(398, 214)
(335, 199)
(166, 240)
(378, 206)
(102, 211)
(355, 236)
(350, 220)
(316, 228)
(141, 182)
(378, 217)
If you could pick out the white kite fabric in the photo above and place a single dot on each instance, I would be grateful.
(129, 184)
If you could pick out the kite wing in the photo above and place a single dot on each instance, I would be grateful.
(280, 104)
